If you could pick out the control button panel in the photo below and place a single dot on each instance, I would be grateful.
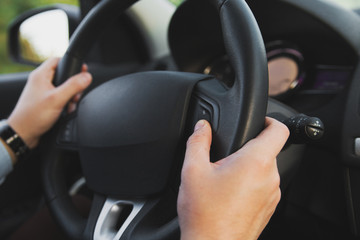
(206, 109)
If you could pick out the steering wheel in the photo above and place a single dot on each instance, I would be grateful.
(130, 132)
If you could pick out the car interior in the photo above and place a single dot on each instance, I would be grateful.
(163, 67)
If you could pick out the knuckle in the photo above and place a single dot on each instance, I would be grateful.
(274, 199)
(276, 179)
(76, 83)
(262, 162)
(278, 196)
(274, 195)
(190, 172)
(51, 97)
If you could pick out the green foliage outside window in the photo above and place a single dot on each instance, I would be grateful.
(176, 2)
(9, 10)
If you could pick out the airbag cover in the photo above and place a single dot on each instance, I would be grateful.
(129, 129)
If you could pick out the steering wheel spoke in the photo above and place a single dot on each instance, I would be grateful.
(115, 217)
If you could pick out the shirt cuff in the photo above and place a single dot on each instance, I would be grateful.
(6, 165)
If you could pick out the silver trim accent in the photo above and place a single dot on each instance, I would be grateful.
(106, 223)
(75, 188)
(357, 147)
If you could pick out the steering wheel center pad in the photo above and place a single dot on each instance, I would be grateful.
(127, 146)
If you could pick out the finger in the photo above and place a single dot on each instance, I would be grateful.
(71, 107)
(270, 141)
(274, 134)
(84, 68)
(45, 72)
(198, 145)
(76, 98)
(49, 65)
(72, 86)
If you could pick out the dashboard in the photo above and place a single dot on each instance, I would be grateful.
(289, 72)
(309, 62)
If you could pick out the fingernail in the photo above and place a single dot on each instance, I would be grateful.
(200, 124)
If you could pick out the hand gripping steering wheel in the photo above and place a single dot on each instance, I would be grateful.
(130, 132)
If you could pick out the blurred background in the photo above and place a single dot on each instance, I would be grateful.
(9, 9)
(348, 3)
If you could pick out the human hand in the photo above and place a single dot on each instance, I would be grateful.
(41, 103)
(235, 197)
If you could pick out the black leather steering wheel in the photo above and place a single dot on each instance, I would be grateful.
(130, 132)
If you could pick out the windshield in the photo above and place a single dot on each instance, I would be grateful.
(352, 4)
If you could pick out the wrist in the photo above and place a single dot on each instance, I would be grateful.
(12, 141)
(214, 233)
(192, 236)
(198, 235)
(30, 141)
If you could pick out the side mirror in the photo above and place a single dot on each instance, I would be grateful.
(42, 33)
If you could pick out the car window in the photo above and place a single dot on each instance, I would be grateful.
(176, 2)
(9, 10)
(352, 4)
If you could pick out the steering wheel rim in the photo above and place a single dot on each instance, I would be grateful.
(241, 108)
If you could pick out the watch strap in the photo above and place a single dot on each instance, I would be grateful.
(14, 141)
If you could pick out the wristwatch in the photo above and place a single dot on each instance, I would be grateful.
(13, 140)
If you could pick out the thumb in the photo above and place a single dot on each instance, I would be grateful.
(72, 86)
(198, 145)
